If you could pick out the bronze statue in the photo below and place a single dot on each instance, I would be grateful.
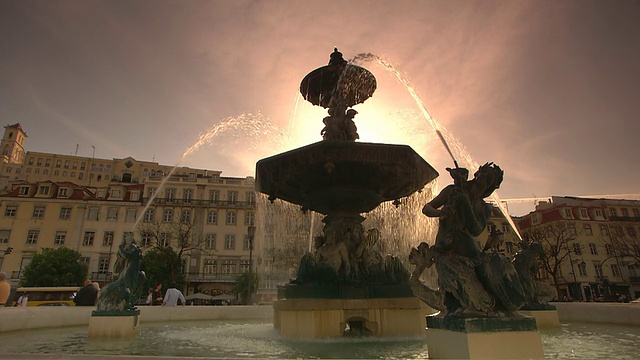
(344, 255)
(471, 282)
(537, 293)
(122, 294)
(339, 125)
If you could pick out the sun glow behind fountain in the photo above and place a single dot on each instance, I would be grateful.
(402, 227)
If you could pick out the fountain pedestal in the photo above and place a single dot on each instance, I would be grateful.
(544, 318)
(114, 324)
(332, 318)
(346, 286)
(454, 337)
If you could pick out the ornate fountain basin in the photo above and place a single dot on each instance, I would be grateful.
(333, 177)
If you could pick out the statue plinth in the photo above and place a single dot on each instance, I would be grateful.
(114, 324)
(460, 337)
(546, 315)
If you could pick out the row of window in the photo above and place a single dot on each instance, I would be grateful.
(506, 228)
(214, 195)
(598, 214)
(212, 216)
(225, 266)
(605, 230)
(593, 249)
(211, 266)
(71, 174)
(613, 212)
(68, 164)
(131, 214)
(615, 269)
(11, 210)
(147, 239)
(625, 212)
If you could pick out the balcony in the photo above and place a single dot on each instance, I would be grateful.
(102, 276)
(624, 218)
(634, 279)
(202, 277)
(202, 203)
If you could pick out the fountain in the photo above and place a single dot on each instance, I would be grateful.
(233, 332)
(346, 286)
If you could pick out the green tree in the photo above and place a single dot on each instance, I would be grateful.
(245, 285)
(54, 267)
(164, 265)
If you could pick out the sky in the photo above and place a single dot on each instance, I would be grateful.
(548, 90)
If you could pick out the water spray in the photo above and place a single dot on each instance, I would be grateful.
(364, 57)
(446, 146)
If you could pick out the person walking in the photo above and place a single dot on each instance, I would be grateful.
(172, 296)
(87, 295)
(23, 300)
(156, 296)
(5, 289)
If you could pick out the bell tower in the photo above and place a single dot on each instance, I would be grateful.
(12, 144)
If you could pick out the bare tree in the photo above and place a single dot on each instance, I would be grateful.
(557, 240)
(625, 243)
(182, 236)
(170, 242)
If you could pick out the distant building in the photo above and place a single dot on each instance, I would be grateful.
(598, 240)
(89, 204)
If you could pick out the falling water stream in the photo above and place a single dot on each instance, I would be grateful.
(459, 149)
(250, 125)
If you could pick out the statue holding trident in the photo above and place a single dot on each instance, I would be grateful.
(471, 282)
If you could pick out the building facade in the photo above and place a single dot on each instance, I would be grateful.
(90, 205)
(597, 242)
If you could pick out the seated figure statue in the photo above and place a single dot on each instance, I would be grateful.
(329, 263)
(470, 281)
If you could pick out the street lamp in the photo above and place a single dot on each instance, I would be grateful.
(251, 232)
(576, 287)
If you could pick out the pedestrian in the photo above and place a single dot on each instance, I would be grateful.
(23, 300)
(87, 296)
(157, 295)
(149, 300)
(5, 289)
(172, 296)
(96, 285)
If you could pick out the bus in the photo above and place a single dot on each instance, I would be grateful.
(48, 296)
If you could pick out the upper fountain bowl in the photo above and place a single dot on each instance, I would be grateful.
(338, 83)
(332, 177)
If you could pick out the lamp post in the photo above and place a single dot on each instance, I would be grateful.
(577, 287)
(251, 232)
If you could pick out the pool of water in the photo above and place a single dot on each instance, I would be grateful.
(231, 339)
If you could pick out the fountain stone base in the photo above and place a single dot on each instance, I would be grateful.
(114, 324)
(544, 318)
(333, 318)
(457, 337)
